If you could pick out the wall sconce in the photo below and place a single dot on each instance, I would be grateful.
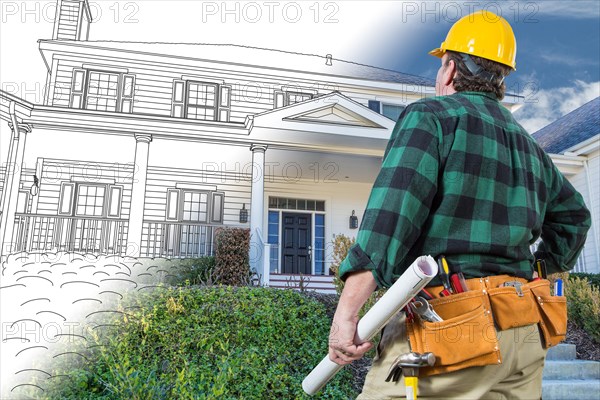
(353, 221)
(35, 188)
(243, 215)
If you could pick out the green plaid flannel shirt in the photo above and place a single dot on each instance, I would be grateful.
(461, 177)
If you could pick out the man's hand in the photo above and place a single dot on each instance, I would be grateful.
(342, 347)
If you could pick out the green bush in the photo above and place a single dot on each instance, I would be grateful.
(193, 271)
(205, 343)
(232, 256)
(583, 302)
(594, 279)
(341, 246)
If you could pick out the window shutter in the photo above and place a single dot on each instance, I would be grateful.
(127, 93)
(278, 99)
(77, 88)
(172, 211)
(67, 194)
(224, 103)
(178, 99)
(114, 201)
(375, 106)
(217, 207)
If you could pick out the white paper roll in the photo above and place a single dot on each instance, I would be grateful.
(397, 296)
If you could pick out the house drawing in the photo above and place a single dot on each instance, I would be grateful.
(145, 149)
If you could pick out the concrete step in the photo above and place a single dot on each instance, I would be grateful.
(584, 389)
(563, 351)
(571, 370)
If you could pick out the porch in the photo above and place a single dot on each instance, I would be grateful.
(38, 232)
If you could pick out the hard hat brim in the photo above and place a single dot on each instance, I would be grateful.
(439, 52)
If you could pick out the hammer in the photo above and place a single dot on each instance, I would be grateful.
(409, 364)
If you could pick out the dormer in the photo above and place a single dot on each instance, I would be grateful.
(72, 21)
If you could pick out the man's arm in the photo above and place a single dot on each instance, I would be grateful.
(342, 349)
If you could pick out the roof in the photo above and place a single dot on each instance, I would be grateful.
(259, 57)
(573, 128)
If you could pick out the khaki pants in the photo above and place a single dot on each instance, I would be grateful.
(518, 377)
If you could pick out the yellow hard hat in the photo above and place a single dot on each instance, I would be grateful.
(482, 34)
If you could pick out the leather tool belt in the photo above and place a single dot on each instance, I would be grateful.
(467, 335)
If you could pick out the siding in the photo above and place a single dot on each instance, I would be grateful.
(592, 199)
(251, 93)
(55, 172)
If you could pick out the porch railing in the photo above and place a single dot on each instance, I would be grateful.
(63, 233)
(178, 239)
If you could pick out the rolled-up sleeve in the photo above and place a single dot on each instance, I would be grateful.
(401, 198)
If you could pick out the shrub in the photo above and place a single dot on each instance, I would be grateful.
(232, 258)
(341, 246)
(583, 302)
(594, 279)
(193, 271)
(206, 343)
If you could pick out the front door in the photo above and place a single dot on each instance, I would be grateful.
(296, 240)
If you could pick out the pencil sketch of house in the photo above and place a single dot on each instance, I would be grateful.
(145, 149)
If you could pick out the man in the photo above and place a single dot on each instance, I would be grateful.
(461, 177)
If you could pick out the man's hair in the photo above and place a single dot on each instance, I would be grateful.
(464, 80)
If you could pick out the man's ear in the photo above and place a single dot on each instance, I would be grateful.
(449, 73)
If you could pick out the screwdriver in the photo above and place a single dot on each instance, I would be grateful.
(444, 272)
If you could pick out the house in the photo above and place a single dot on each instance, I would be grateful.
(145, 149)
(573, 142)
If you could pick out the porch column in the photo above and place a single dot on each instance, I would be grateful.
(257, 205)
(138, 195)
(10, 191)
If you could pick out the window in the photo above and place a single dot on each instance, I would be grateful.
(319, 253)
(284, 203)
(194, 206)
(90, 200)
(282, 98)
(103, 91)
(202, 101)
(296, 97)
(273, 239)
(392, 111)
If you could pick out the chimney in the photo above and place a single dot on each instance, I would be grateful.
(72, 21)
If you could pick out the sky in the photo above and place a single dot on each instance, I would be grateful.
(558, 67)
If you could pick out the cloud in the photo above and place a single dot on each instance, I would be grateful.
(545, 106)
(581, 9)
(568, 60)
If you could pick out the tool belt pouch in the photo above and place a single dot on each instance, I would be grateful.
(465, 338)
(553, 313)
(513, 307)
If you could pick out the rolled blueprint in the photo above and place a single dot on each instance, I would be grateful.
(397, 296)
